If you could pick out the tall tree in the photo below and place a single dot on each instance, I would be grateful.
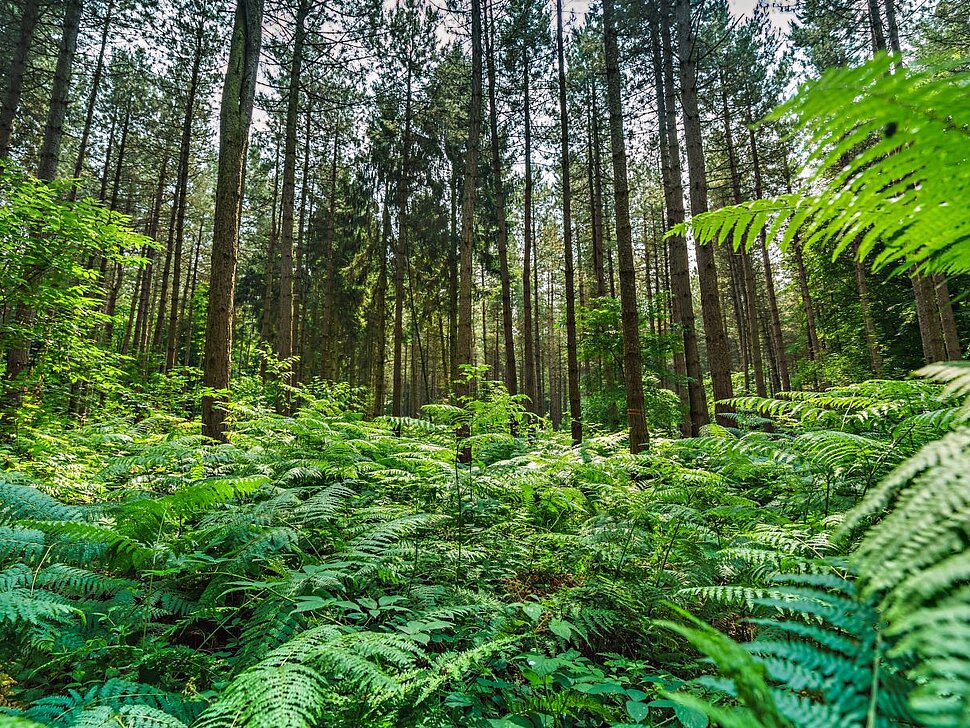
(572, 359)
(498, 182)
(717, 350)
(15, 75)
(630, 314)
(235, 118)
(288, 194)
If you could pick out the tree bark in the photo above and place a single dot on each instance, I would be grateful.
(511, 382)
(630, 313)
(93, 96)
(235, 119)
(54, 130)
(288, 196)
(717, 352)
(951, 338)
(572, 357)
(528, 338)
(468, 218)
(181, 200)
(682, 304)
(15, 76)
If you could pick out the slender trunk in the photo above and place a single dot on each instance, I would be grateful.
(329, 293)
(814, 348)
(528, 339)
(572, 360)
(681, 300)
(511, 383)
(269, 275)
(181, 201)
(288, 194)
(235, 118)
(777, 335)
(299, 276)
(951, 338)
(751, 343)
(93, 96)
(865, 307)
(380, 310)
(717, 353)
(632, 365)
(928, 313)
(468, 216)
(400, 259)
(597, 194)
(54, 131)
(15, 75)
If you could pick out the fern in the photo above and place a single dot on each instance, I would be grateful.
(887, 152)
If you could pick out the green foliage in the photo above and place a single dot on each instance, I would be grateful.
(51, 288)
(886, 153)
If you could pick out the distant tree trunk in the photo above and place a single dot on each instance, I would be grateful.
(288, 195)
(865, 307)
(144, 297)
(15, 75)
(93, 96)
(400, 256)
(717, 351)
(682, 304)
(511, 382)
(540, 384)
(269, 274)
(928, 314)
(468, 216)
(814, 348)
(188, 310)
(235, 117)
(596, 192)
(528, 339)
(951, 338)
(329, 293)
(181, 199)
(777, 340)
(299, 276)
(453, 283)
(572, 357)
(380, 310)
(54, 130)
(749, 315)
(632, 365)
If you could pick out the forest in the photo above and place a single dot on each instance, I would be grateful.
(488, 363)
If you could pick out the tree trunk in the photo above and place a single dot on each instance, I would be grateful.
(400, 259)
(54, 131)
(928, 313)
(468, 217)
(93, 96)
(528, 339)
(288, 196)
(630, 314)
(181, 200)
(572, 360)
(235, 118)
(951, 338)
(865, 307)
(777, 340)
(682, 304)
(511, 383)
(717, 352)
(15, 76)
(380, 311)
